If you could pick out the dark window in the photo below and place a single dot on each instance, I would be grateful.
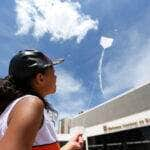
(133, 139)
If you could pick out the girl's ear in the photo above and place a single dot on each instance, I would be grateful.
(39, 78)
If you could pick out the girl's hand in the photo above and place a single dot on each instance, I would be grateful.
(75, 143)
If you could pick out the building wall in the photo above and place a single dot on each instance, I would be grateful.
(132, 102)
(64, 126)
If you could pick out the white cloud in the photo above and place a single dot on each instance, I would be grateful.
(66, 83)
(61, 20)
(70, 106)
(142, 67)
(71, 96)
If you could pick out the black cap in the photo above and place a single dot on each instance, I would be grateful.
(27, 62)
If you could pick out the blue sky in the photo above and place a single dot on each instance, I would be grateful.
(72, 30)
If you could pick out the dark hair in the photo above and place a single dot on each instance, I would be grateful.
(11, 89)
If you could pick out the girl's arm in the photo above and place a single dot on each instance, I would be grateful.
(23, 125)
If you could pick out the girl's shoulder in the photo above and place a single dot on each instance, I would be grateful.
(22, 100)
(24, 111)
(26, 99)
(27, 102)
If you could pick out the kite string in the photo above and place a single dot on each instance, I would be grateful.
(93, 87)
(88, 106)
(100, 78)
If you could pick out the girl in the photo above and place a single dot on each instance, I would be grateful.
(25, 123)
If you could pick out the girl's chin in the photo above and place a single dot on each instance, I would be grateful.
(53, 91)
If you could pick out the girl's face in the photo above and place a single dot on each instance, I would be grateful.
(45, 83)
(50, 81)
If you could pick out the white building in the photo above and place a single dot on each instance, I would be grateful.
(64, 126)
(122, 123)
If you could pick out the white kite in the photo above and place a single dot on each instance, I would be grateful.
(106, 42)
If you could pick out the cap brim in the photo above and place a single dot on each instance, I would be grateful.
(54, 62)
(57, 61)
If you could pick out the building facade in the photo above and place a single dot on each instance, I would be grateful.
(64, 126)
(122, 123)
(131, 102)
